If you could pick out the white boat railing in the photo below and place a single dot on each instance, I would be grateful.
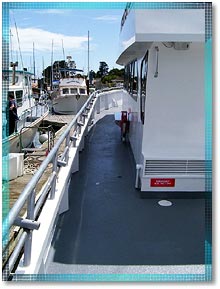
(72, 138)
(30, 114)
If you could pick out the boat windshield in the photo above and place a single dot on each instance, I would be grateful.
(65, 90)
(82, 91)
(73, 90)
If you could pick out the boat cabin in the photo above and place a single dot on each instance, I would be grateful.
(19, 86)
(162, 51)
(72, 86)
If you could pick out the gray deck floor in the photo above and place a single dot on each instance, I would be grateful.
(109, 224)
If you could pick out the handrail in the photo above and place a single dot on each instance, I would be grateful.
(28, 194)
(31, 185)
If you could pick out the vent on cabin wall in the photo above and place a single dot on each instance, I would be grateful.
(173, 167)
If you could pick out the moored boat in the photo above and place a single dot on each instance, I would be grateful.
(30, 111)
(72, 90)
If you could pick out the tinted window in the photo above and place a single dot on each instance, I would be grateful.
(65, 90)
(19, 95)
(73, 90)
(144, 69)
(82, 91)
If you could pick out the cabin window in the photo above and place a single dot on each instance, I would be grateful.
(73, 90)
(131, 79)
(126, 77)
(65, 90)
(19, 97)
(135, 80)
(82, 91)
(144, 69)
(11, 94)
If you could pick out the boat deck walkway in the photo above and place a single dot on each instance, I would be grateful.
(110, 229)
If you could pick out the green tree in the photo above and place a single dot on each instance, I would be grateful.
(56, 73)
(103, 69)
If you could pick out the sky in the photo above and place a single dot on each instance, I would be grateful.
(66, 30)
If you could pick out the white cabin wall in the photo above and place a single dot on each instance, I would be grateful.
(175, 116)
(136, 127)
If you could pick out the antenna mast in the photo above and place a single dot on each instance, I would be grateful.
(88, 54)
(51, 82)
(19, 46)
(34, 62)
(63, 51)
(11, 45)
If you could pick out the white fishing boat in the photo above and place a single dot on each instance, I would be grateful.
(72, 91)
(30, 110)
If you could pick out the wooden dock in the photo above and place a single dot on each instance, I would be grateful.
(32, 162)
(59, 119)
(34, 159)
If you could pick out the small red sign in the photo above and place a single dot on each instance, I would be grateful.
(162, 182)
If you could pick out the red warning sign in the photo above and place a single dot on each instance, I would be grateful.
(162, 182)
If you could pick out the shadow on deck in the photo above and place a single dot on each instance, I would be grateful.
(109, 224)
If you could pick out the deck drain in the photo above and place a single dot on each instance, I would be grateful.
(165, 203)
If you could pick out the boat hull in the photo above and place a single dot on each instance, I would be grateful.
(70, 104)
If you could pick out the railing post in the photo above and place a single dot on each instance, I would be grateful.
(30, 216)
(67, 145)
(98, 106)
(53, 185)
(106, 102)
(67, 140)
(23, 120)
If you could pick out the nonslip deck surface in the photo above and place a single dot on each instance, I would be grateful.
(109, 224)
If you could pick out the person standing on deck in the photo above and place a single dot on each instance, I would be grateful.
(13, 117)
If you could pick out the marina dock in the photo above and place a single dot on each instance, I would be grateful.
(35, 157)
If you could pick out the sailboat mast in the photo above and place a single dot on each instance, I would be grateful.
(11, 45)
(19, 45)
(63, 51)
(43, 66)
(34, 62)
(51, 82)
(43, 72)
(88, 54)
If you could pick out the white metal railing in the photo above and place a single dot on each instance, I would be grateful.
(28, 195)
(33, 112)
